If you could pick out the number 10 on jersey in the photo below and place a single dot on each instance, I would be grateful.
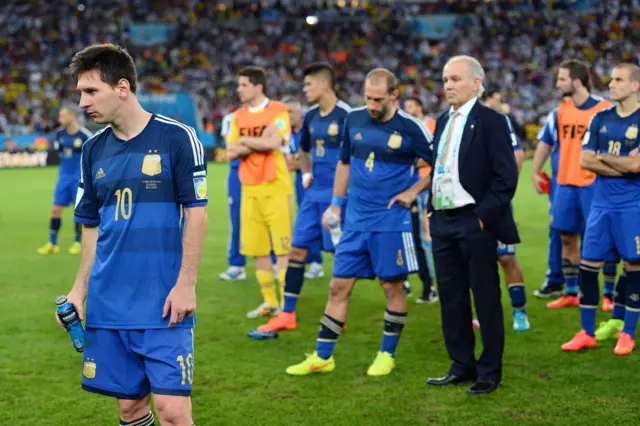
(124, 204)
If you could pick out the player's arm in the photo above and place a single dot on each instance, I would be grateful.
(305, 153)
(547, 139)
(273, 137)
(620, 165)
(518, 152)
(87, 213)
(589, 158)
(190, 181)
(341, 180)
(232, 134)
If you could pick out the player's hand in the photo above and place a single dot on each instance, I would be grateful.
(307, 178)
(181, 301)
(405, 198)
(336, 211)
(481, 224)
(634, 152)
(76, 298)
(537, 182)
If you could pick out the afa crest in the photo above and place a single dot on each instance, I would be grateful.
(89, 369)
(632, 132)
(333, 129)
(395, 140)
(152, 164)
(77, 143)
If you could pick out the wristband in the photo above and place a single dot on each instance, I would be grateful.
(337, 201)
(306, 177)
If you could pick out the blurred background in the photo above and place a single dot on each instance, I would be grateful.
(188, 51)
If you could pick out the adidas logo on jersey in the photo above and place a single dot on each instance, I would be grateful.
(358, 137)
(603, 129)
(99, 173)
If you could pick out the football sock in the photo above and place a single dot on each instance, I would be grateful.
(633, 303)
(294, 281)
(589, 298)
(620, 299)
(78, 235)
(282, 282)
(393, 325)
(609, 271)
(570, 272)
(554, 259)
(517, 295)
(267, 287)
(142, 421)
(330, 329)
(54, 227)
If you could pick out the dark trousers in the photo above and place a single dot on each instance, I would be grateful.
(465, 259)
(423, 266)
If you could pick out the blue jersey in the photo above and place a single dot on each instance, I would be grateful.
(612, 134)
(294, 142)
(224, 129)
(383, 164)
(70, 148)
(320, 135)
(549, 135)
(135, 191)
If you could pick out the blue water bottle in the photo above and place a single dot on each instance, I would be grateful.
(69, 317)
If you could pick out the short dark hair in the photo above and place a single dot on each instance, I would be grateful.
(415, 99)
(488, 93)
(578, 70)
(112, 62)
(382, 73)
(256, 75)
(323, 70)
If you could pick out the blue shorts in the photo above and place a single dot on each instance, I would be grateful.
(65, 192)
(390, 256)
(611, 235)
(308, 231)
(128, 364)
(570, 208)
(506, 249)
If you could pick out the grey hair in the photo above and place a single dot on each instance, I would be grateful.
(292, 100)
(475, 70)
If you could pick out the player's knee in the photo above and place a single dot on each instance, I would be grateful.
(173, 410)
(392, 289)
(569, 240)
(339, 289)
(297, 254)
(56, 212)
(133, 409)
(508, 262)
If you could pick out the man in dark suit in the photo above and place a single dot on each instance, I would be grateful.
(474, 180)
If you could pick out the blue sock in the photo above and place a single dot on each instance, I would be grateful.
(620, 298)
(517, 295)
(609, 271)
(274, 259)
(428, 250)
(570, 272)
(78, 235)
(554, 275)
(54, 227)
(589, 297)
(330, 329)
(294, 280)
(393, 325)
(632, 313)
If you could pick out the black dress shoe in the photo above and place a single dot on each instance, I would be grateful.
(482, 387)
(451, 379)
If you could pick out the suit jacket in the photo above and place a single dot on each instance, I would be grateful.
(487, 167)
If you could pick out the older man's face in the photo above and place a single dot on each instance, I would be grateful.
(459, 87)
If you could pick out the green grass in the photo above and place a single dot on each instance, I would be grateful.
(239, 381)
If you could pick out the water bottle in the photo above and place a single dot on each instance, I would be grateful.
(335, 231)
(69, 317)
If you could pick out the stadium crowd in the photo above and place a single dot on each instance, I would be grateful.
(519, 48)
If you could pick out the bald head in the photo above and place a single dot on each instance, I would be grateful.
(625, 82)
(382, 76)
(381, 93)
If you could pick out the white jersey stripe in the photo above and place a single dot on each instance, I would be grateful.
(196, 146)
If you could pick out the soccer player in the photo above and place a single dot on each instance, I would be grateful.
(574, 193)
(68, 140)
(414, 106)
(513, 275)
(610, 149)
(259, 135)
(319, 155)
(380, 146)
(235, 259)
(314, 257)
(548, 136)
(142, 201)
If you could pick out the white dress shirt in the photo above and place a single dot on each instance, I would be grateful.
(458, 119)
